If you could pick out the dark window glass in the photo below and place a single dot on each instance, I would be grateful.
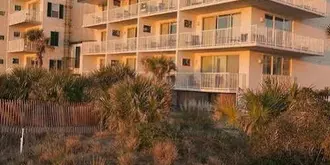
(2, 61)
(2, 13)
(54, 38)
(2, 37)
(267, 65)
(15, 61)
(17, 34)
(77, 58)
(18, 8)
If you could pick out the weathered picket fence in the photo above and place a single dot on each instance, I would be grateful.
(43, 117)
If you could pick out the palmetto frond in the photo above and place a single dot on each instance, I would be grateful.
(37, 37)
(159, 66)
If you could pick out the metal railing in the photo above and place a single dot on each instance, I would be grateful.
(252, 36)
(98, 47)
(315, 6)
(157, 6)
(20, 45)
(24, 16)
(122, 45)
(123, 13)
(95, 18)
(160, 42)
(214, 82)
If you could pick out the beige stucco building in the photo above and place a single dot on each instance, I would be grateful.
(218, 45)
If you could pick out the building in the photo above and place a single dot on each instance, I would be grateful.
(218, 46)
(3, 34)
(60, 21)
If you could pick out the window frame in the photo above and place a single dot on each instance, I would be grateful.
(283, 72)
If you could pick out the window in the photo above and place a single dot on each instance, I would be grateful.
(267, 66)
(276, 65)
(15, 61)
(2, 13)
(217, 64)
(55, 64)
(278, 23)
(77, 58)
(17, 34)
(55, 10)
(2, 37)
(18, 8)
(114, 62)
(2, 61)
(54, 38)
(131, 63)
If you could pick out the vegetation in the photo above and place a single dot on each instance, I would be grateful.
(160, 67)
(279, 124)
(284, 125)
(41, 42)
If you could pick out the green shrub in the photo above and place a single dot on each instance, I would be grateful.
(106, 77)
(19, 83)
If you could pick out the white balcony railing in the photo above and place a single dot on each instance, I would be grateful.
(24, 16)
(213, 82)
(160, 42)
(21, 45)
(252, 36)
(122, 45)
(123, 13)
(157, 6)
(315, 6)
(96, 18)
(94, 47)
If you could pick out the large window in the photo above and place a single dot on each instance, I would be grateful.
(55, 10)
(278, 23)
(54, 38)
(216, 64)
(55, 64)
(276, 65)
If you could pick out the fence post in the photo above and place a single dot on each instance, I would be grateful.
(21, 144)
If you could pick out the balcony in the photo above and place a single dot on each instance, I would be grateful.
(297, 8)
(154, 7)
(156, 43)
(122, 46)
(259, 38)
(210, 82)
(94, 48)
(96, 20)
(20, 45)
(26, 16)
(123, 13)
(95, 2)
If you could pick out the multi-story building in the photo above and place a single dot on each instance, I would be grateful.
(60, 21)
(3, 34)
(218, 46)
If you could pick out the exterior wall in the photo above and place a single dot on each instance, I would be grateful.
(3, 31)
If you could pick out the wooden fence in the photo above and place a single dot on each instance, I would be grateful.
(41, 117)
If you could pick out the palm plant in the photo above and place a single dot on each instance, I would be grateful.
(37, 37)
(161, 67)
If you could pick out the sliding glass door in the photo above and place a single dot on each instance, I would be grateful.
(278, 31)
(228, 28)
